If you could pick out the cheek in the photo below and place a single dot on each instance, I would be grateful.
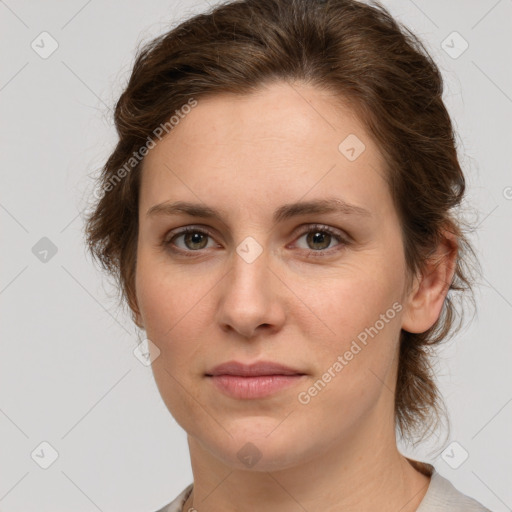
(346, 301)
(170, 304)
(170, 300)
(353, 365)
(357, 318)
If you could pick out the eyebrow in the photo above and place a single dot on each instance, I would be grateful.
(287, 211)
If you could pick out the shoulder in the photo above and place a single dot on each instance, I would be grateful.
(442, 496)
(177, 504)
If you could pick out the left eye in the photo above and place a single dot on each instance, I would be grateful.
(321, 237)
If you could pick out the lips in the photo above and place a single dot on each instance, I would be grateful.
(255, 381)
(260, 368)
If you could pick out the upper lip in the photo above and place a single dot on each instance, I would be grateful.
(251, 370)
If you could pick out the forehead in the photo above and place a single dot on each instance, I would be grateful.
(284, 140)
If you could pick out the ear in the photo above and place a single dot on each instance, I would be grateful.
(428, 292)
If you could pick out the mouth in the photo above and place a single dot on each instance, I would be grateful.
(259, 369)
(253, 381)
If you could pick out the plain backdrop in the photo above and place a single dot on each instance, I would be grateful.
(70, 385)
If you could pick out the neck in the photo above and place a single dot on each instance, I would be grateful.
(361, 472)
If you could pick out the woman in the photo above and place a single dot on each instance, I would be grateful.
(279, 212)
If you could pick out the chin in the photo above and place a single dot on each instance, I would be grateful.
(257, 444)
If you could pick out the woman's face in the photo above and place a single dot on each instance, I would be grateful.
(319, 291)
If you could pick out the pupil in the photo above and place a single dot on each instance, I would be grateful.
(196, 238)
(317, 238)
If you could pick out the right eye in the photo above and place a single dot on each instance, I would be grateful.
(194, 240)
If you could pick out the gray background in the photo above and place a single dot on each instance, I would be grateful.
(68, 375)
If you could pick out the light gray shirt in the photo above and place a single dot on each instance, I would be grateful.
(441, 496)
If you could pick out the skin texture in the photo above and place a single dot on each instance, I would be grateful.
(247, 156)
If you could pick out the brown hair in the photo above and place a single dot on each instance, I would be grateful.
(360, 53)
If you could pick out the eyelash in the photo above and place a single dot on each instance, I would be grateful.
(321, 253)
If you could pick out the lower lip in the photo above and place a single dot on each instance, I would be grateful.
(253, 387)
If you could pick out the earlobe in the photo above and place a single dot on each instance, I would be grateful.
(425, 300)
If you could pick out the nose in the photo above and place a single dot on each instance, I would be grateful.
(251, 299)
